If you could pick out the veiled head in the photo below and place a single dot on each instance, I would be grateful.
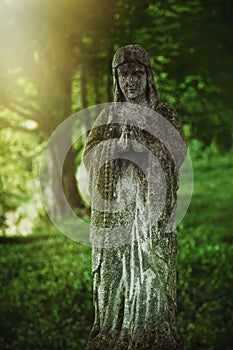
(133, 76)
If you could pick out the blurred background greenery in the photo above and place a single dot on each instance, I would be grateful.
(55, 60)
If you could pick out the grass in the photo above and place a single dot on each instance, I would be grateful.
(46, 300)
(205, 258)
(46, 283)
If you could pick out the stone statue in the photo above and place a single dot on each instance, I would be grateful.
(133, 154)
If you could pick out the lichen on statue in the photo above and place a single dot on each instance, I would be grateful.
(133, 154)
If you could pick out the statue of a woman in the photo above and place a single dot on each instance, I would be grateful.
(133, 154)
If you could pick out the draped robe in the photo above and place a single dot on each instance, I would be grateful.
(133, 180)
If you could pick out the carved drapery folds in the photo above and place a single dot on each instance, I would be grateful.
(133, 154)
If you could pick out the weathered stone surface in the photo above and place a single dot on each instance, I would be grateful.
(133, 184)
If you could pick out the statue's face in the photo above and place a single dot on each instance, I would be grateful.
(132, 79)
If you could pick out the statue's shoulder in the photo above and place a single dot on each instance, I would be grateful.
(166, 110)
(102, 117)
(100, 127)
(169, 112)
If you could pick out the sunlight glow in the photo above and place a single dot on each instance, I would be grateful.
(29, 124)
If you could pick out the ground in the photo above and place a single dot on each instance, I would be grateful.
(46, 283)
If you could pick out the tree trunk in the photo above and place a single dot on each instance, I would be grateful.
(70, 183)
(69, 192)
(109, 88)
(109, 94)
(96, 80)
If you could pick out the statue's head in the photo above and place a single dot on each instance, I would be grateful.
(133, 76)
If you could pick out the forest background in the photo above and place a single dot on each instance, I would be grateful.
(55, 60)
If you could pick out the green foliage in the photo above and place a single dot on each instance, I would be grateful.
(205, 262)
(60, 66)
(46, 283)
(19, 161)
(204, 290)
(46, 290)
(55, 60)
